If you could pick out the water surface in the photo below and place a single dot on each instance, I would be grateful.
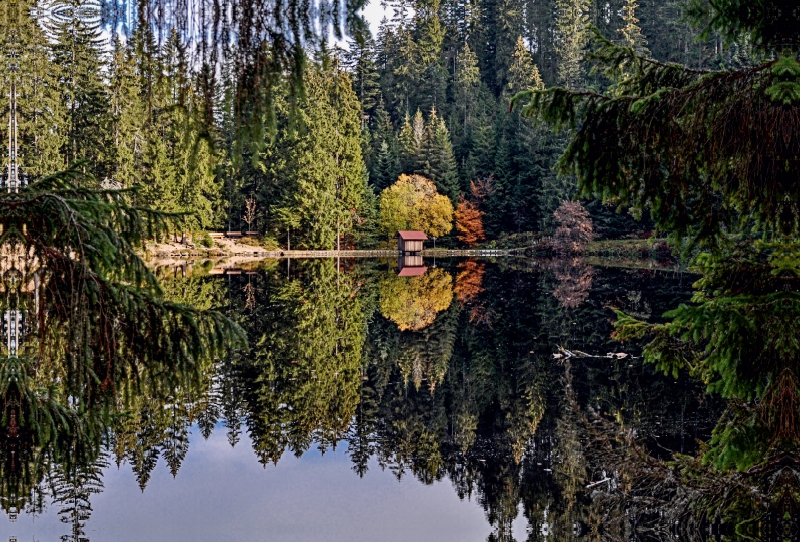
(375, 407)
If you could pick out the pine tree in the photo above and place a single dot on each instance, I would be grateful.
(431, 78)
(383, 164)
(661, 156)
(501, 23)
(161, 140)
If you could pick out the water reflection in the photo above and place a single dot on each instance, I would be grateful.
(89, 338)
(451, 376)
(738, 336)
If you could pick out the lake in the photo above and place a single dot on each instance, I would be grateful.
(451, 405)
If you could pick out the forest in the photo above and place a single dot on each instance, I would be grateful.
(560, 384)
(427, 96)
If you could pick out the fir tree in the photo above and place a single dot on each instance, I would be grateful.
(78, 52)
(571, 37)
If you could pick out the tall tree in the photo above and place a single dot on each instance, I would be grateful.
(631, 31)
(78, 51)
(41, 111)
(315, 179)
(435, 158)
(571, 37)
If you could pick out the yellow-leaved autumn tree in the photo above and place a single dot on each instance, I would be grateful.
(413, 203)
(413, 302)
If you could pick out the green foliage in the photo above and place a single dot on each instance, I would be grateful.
(305, 367)
(96, 330)
(661, 156)
(42, 113)
(312, 179)
(77, 52)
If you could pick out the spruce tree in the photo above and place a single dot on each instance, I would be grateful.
(359, 58)
(128, 116)
(631, 31)
(467, 82)
(78, 52)
(655, 150)
(41, 112)
(523, 74)
(382, 164)
(571, 37)
(315, 177)
(386, 168)
(407, 144)
(435, 158)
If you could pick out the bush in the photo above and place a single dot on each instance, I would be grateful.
(203, 239)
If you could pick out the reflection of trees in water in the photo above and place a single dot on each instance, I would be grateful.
(301, 379)
(72, 486)
(738, 335)
(494, 422)
(413, 302)
(574, 281)
(504, 431)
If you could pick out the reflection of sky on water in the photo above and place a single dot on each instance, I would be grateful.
(224, 494)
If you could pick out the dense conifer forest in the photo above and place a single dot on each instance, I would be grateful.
(488, 123)
(428, 94)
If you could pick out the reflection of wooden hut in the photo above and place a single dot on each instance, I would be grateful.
(412, 271)
(410, 241)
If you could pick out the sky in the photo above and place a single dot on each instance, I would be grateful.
(373, 13)
(223, 493)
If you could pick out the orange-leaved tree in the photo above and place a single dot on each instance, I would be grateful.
(469, 217)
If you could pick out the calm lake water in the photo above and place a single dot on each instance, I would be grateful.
(375, 407)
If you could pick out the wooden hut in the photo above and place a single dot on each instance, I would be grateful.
(410, 241)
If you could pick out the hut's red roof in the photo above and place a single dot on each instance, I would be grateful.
(412, 235)
(412, 271)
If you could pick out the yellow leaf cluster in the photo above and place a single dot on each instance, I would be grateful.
(413, 203)
(413, 302)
